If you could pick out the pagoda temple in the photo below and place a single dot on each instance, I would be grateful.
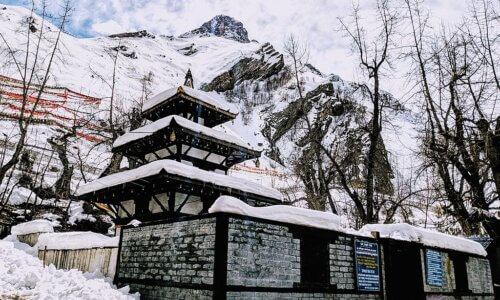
(179, 161)
(214, 236)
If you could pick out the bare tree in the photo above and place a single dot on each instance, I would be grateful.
(114, 130)
(455, 74)
(374, 55)
(315, 178)
(299, 53)
(32, 69)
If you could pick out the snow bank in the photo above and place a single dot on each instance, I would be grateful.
(281, 213)
(22, 195)
(160, 124)
(77, 213)
(208, 98)
(406, 232)
(21, 246)
(180, 169)
(24, 277)
(35, 226)
(75, 240)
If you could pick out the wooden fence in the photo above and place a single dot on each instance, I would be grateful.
(30, 239)
(85, 260)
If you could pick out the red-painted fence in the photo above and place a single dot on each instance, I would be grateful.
(58, 106)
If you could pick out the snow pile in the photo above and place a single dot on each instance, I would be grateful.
(20, 195)
(35, 226)
(75, 240)
(77, 213)
(21, 246)
(406, 232)
(176, 168)
(280, 213)
(158, 125)
(209, 99)
(24, 277)
(134, 223)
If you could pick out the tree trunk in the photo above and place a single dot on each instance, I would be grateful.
(62, 187)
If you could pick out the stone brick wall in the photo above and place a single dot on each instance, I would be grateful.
(479, 272)
(261, 254)
(152, 292)
(295, 296)
(478, 275)
(342, 270)
(172, 253)
(176, 261)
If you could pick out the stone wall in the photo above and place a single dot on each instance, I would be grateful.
(177, 261)
(479, 272)
(261, 254)
(295, 296)
(478, 275)
(168, 255)
(342, 271)
(156, 292)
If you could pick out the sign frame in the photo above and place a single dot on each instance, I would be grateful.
(373, 258)
(434, 275)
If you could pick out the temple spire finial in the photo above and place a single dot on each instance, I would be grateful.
(188, 81)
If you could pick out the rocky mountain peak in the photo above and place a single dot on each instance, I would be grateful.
(223, 26)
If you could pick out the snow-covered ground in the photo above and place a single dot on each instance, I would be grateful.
(23, 276)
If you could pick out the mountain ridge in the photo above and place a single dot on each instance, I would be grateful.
(221, 26)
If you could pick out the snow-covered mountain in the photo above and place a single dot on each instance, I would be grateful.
(223, 26)
(254, 77)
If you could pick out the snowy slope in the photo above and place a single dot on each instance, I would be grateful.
(210, 57)
(162, 55)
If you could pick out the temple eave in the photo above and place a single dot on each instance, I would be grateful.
(116, 188)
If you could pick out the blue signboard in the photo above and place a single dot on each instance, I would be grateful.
(367, 265)
(433, 267)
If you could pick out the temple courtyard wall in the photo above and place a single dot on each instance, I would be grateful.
(226, 256)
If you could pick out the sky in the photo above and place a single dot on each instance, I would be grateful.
(315, 22)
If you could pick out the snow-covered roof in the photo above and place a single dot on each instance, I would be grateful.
(207, 98)
(183, 122)
(75, 240)
(176, 168)
(406, 232)
(280, 213)
(35, 226)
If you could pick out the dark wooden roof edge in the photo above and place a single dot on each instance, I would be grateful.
(248, 150)
(181, 179)
(185, 96)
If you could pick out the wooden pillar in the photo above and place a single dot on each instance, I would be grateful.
(171, 199)
(179, 151)
(220, 261)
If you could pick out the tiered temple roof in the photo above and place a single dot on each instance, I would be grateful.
(189, 103)
(180, 162)
(204, 147)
